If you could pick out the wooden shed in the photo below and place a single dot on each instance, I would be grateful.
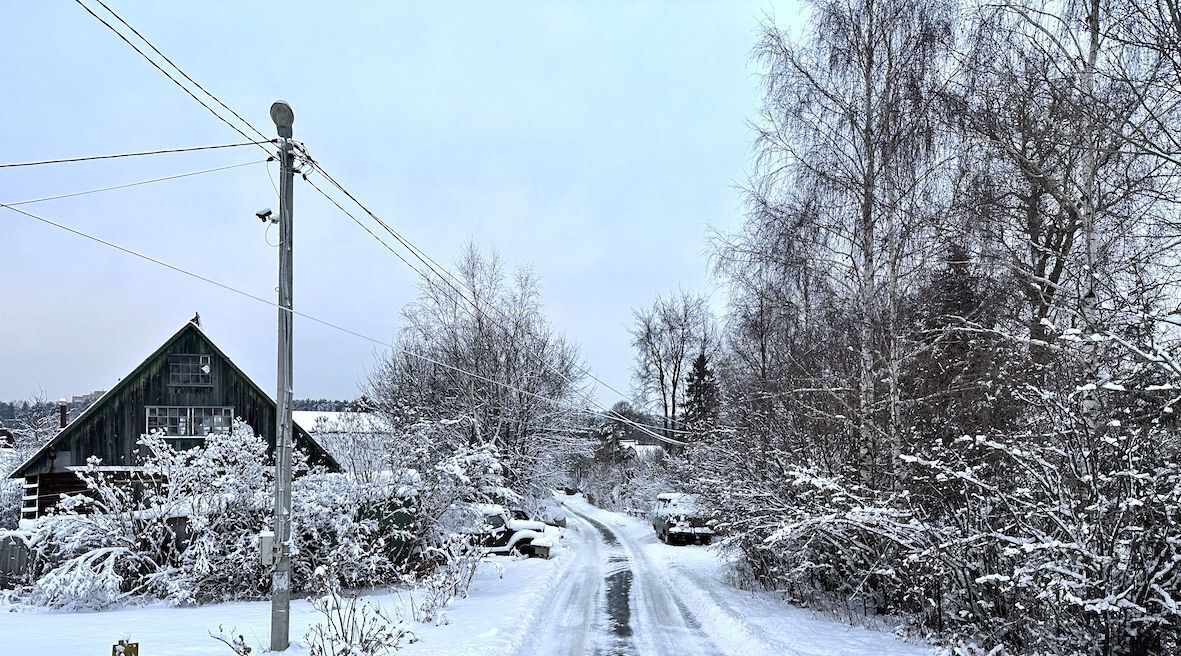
(187, 389)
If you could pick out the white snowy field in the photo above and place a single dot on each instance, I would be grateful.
(611, 588)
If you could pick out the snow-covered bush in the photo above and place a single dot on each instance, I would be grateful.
(184, 527)
(1055, 536)
(235, 643)
(351, 627)
(11, 490)
(362, 532)
(454, 566)
(35, 422)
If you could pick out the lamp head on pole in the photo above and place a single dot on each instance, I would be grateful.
(283, 117)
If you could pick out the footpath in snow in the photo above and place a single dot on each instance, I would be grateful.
(611, 588)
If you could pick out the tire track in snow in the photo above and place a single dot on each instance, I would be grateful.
(617, 601)
(572, 611)
(663, 624)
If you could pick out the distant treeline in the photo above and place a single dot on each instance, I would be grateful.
(11, 411)
(324, 405)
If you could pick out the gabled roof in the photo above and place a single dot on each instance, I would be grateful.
(134, 374)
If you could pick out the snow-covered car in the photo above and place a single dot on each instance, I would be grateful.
(679, 518)
(504, 532)
(553, 513)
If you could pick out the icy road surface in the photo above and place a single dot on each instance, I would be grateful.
(627, 593)
(610, 589)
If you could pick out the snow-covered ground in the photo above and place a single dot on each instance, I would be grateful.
(611, 588)
(490, 621)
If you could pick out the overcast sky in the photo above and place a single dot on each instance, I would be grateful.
(595, 142)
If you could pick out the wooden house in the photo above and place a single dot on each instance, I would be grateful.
(187, 389)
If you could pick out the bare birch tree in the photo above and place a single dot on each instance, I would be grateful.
(666, 337)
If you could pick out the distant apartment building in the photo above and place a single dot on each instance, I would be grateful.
(87, 398)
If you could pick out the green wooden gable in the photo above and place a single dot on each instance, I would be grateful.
(183, 381)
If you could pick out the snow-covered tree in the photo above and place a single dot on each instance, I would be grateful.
(702, 400)
(480, 349)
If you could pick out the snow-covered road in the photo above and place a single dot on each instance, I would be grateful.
(627, 593)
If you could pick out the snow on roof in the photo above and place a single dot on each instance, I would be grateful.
(340, 422)
(644, 452)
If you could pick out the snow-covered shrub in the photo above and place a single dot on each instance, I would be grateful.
(362, 532)
(118, 540)
(629, 487)
(1052, 535)
(351, 627)
(184, 527)
(35, 422)
(454, 564)
(236, 643)
(11, 490)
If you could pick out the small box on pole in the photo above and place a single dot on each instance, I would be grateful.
(266, 548)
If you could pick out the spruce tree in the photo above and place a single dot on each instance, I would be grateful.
(701, 396)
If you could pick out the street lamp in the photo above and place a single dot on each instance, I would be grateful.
(283, 117)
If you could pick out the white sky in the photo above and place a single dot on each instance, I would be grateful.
(595, 142)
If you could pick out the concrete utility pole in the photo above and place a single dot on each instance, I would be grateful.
(283, 117)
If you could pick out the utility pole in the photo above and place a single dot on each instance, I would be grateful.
(283, 117)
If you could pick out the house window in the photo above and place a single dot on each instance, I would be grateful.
(187, 370)
(181, 421)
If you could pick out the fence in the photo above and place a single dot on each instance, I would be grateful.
(14, 559)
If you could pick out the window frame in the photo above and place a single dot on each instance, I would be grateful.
(184, 370)
(188, 417)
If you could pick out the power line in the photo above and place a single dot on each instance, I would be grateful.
(181, 71)
(364, 227)
(165, 151)
(297, 313)
(435, 268)
(415, 251)
(439, 270)
(166, 73)
(132, 184)
(610, 414)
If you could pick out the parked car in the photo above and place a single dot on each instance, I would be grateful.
(505, 532)
(678, 518)
(552, 513)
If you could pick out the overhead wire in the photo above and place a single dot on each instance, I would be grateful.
(166, 73)
(302, 315)
(181, 71)
(142, 153)
(417, 253)
(439, 271)
(133, 184)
